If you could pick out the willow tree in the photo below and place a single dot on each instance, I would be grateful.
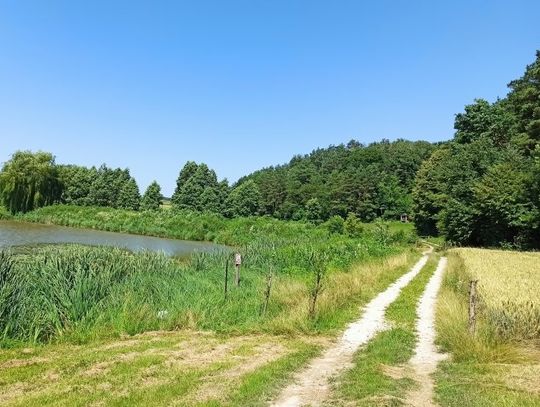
(28, 181)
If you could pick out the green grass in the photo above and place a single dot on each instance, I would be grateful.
(257, 388)
(367, 383)
(480, 385)
(490, 367)
(4, 214)
(199, 226)
(79, 294)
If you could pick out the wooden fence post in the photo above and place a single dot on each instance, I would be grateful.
(226, 275)
(315, 292)
(237, 264)
(472, 306)
(267, 292)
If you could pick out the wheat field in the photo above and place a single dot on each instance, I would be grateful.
(509, 289)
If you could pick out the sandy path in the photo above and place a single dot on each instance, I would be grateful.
(311, 385)
(426, 357)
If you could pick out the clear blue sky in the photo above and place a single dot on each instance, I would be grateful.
(245, 84)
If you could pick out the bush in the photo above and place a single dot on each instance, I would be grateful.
(353, 227)
(335, 224)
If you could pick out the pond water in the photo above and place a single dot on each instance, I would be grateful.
(14, 233)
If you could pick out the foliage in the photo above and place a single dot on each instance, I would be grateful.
(369, 181)
(352, 226)
(103, 186)
(524, 104)
(152, 198)
(335, 224)
(28, 181)
(129, 196)
(77, 182)
(482, 188)
(197, 188)
(244, 200)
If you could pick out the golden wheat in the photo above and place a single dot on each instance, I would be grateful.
(509, 289)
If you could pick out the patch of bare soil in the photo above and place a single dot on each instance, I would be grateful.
(523, 377)
(22, 362)
(215, 387)
(14, 391)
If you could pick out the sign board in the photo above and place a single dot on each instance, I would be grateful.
(237, 259)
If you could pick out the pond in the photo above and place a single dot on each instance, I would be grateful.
(13, 233)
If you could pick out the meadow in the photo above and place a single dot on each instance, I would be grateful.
(500, 363)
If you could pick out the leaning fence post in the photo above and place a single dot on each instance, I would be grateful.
(472, 306)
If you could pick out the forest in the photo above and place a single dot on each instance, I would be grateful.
(482, 188)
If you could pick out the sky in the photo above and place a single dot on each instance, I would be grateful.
(242, 85)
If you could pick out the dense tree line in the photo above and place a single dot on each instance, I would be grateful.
(101, 186)
(367, 181)
(483, 188)
(31, 180)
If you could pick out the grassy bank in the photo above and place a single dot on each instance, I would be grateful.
(198, 226)
(379, 376)
(500, 364)
(4, 214)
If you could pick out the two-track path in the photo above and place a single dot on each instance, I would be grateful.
(311, 386)
(425, 359)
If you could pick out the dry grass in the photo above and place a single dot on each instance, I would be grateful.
(342, 296)
(155, 368)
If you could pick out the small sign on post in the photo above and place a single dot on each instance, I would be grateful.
(237, 264)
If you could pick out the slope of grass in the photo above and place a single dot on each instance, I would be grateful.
(75, 300)
(500, 364)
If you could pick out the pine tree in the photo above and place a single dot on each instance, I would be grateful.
(129, 197)
(152, 198)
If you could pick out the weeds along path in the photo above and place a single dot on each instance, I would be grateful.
(426, 357)
(311, 386)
